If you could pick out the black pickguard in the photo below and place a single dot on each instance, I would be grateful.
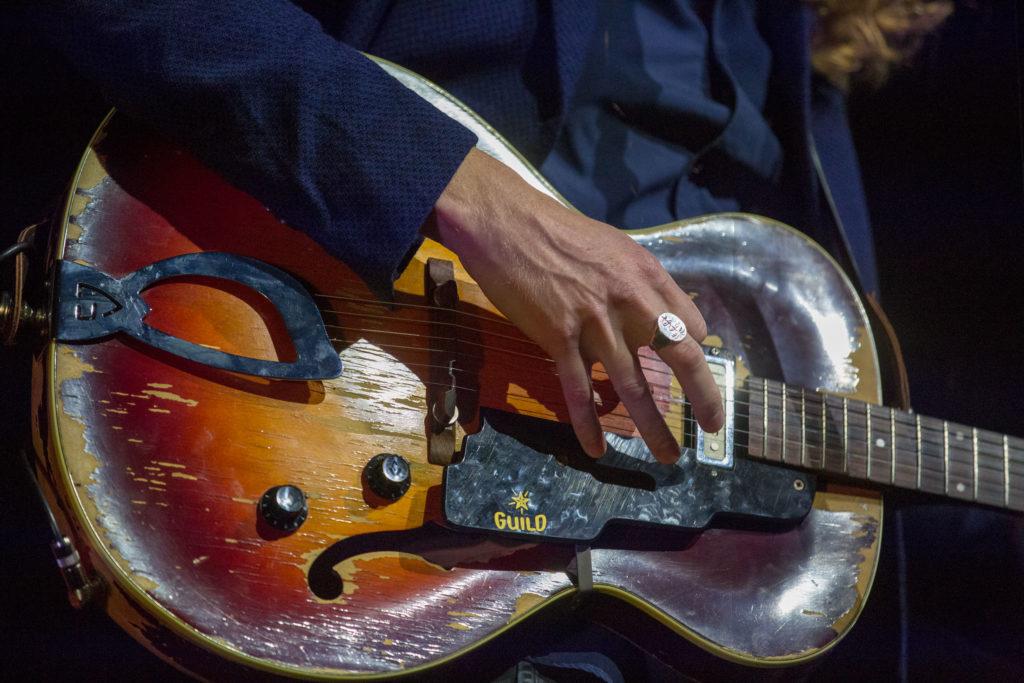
(563, 495)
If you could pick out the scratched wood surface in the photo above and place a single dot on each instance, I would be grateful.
(165, 459)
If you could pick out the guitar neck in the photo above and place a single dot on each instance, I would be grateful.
(880, 445)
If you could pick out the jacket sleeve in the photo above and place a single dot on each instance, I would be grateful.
(307, 125)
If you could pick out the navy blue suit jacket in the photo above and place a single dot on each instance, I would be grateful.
(276, 96)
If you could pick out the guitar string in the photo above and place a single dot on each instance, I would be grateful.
(650, 370)
(423, 307)
(853, 459)
(493, 319)
(522, 339)
(790, 393)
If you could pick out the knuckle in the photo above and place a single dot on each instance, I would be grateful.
(592, 312)
(627, 292)
(690, 356)
(566, 337)
(661, 443)
(632, 389)
(577, 393)
(597, 338)
(586, 430)
(650, 267)
(698, 329)
(638, 266)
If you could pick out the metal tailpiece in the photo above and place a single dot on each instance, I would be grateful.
(92, 305)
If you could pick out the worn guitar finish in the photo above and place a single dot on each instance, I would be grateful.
(157, 463)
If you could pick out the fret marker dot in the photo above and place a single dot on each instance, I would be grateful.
(959, 436)
(960, 487)
(880, 443)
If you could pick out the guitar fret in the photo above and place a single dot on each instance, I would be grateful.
(1006, 471)
(846, 435)
(774, 418)
(764, 389)
(824, 430)
(867, 450)
(793, 410)
(917, 424)
(892, 444)
(945, 454)
(803, 427)
(785, 392)
(974, 448)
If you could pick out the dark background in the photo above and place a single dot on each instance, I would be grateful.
(941, 150)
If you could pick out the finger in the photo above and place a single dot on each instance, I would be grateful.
(631, 386)
(574, 375)
(686, 358)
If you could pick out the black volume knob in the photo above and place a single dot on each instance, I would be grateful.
(284, 507)
(388, 475)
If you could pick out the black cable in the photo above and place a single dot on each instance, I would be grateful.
(14, 249)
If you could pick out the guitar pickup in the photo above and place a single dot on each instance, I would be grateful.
(716, 448)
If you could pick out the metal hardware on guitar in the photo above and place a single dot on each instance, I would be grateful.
(92, 305)
(388, 476)
(17, 315)
(284, 507)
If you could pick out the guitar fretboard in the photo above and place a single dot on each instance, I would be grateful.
(891, 447)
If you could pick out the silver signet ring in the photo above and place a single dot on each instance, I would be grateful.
(670, 330)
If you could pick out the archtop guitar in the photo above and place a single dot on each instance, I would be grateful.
(259, 468)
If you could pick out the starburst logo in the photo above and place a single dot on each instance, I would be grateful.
(522, 501)
(523, 522)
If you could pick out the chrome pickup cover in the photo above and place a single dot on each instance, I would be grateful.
(717, 449)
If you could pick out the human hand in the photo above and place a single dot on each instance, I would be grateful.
(582, 290)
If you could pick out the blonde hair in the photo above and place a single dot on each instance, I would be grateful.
(861, 40)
